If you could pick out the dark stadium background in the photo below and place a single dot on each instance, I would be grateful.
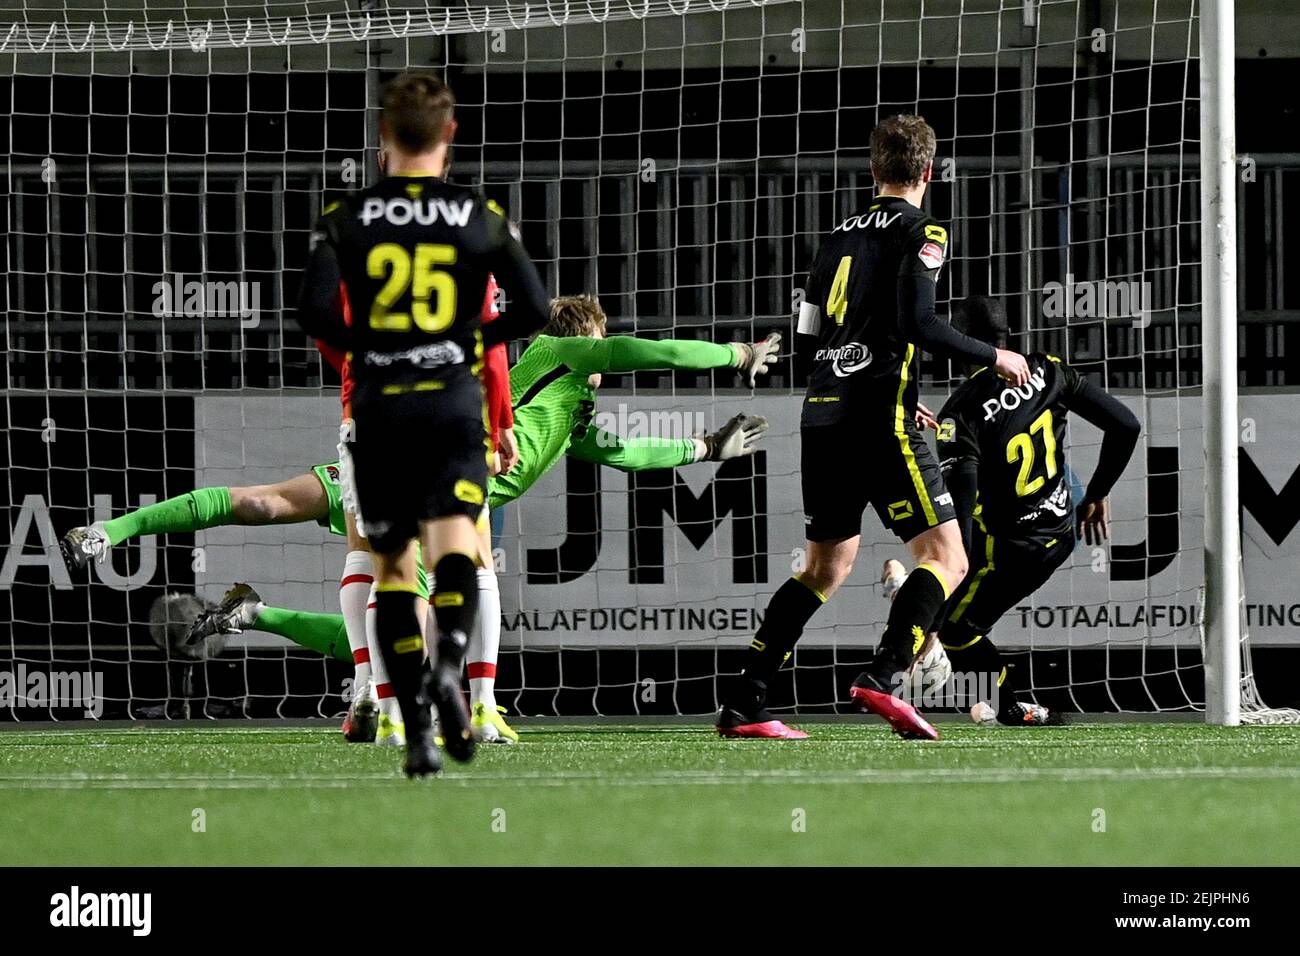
(65, 332)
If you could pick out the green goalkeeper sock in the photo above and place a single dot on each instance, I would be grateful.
(323, 633)
(194, 511)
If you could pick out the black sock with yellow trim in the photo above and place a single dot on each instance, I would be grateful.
(455, 604)
(791, 607)
(916, 605)
(397, 627)
(973, 652)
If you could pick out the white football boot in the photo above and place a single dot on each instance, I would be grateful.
(79, 545)
(361, 724)
(892, 577)
(239, 610)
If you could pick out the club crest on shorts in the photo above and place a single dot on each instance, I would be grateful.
(900, 510)
(468, 492)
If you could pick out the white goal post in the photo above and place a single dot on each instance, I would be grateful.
(1219, 320)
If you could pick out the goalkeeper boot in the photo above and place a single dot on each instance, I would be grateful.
(79, 545)
(362, 721)
(489, 726)
(1018, 714)
(239, 609)
(442, 690)
(390, 732)
(743, 714)
(874, 691)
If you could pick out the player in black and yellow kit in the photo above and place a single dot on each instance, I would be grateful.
(397, 277)
(1002, 450)
(867, 314)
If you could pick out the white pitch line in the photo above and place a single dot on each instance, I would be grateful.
(1028, 739)
(675, 778)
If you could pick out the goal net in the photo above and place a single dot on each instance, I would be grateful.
(681, 160)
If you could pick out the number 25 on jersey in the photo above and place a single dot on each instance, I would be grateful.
(432, 290)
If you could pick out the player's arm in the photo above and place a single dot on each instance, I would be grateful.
(924, 252)
(624, 353)
(739, 436)
(530, 307)
(959, 457)
(320, 298)
(1119, 430)
(496, 387)
(812, 310)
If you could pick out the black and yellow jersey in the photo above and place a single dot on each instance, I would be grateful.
(1016, 435)
(397, 277)
(869, 305)
(1015, 438)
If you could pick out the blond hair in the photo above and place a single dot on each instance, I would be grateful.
(575, 315)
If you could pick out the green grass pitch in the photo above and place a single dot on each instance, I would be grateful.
(1134, 794)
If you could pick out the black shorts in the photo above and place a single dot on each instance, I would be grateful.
(418, 456)
(1003, 572)
(846, 467)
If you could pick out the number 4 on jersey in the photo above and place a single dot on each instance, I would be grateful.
(837, 301)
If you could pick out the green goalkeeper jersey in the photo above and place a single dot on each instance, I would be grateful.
(554, 405)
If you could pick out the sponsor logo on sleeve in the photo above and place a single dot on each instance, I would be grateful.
(931, 254)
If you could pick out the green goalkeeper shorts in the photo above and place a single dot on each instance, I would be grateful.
(328, 476)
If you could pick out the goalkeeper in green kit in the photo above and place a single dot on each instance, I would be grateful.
(553, 390)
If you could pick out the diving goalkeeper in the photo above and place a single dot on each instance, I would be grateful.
(553, 390)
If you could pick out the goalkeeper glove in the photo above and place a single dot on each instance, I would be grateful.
(753, 360)
(740, 436)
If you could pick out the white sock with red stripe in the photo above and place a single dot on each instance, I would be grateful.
(485, 641)
(354, 595)
(383, 689)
